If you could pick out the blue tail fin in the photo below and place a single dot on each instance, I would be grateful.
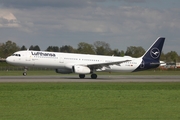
(151, 58)
(154, 52)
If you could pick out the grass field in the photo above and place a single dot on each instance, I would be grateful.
(89, 101)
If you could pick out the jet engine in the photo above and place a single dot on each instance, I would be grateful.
(81, 69)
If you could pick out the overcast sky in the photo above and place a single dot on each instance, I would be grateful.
(121, 23)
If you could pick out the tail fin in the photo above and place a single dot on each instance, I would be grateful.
(154, 52)
(151, 58)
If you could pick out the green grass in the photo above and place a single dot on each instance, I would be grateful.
(89, 101)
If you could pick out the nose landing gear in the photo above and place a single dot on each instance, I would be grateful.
(25, 71)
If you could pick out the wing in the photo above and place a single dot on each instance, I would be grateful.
(106, 64)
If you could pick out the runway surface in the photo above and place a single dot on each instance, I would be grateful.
(101, 78)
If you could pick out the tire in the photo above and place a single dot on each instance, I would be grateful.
(81, 76)
(93, 76)
(24, 73)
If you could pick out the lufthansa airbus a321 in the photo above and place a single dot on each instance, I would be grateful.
(83, 64)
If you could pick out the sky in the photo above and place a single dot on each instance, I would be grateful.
(121, 23)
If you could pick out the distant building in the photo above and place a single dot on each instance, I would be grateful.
(178, 65)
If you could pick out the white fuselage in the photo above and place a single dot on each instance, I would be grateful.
(58, 60)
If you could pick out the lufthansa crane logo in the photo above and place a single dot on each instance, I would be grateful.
(155, 53)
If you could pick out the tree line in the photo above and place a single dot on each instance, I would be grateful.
(98, 48)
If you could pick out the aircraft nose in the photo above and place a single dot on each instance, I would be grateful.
(9, 59)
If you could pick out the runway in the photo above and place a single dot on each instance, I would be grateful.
(101, 78)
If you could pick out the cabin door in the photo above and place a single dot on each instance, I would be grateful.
(61, 59)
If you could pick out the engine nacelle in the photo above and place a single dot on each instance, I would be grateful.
(63, 71)
(81, 69)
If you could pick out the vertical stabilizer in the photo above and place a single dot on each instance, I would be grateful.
(154, 52)
(151, 58)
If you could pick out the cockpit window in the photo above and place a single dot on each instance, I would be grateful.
(18, 55)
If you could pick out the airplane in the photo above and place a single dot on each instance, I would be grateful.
(163, 64)
(82, 64)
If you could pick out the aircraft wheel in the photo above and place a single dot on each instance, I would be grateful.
(93, 76)
(24, 73)
(82, 76)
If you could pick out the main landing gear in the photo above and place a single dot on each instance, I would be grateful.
(93, 76)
